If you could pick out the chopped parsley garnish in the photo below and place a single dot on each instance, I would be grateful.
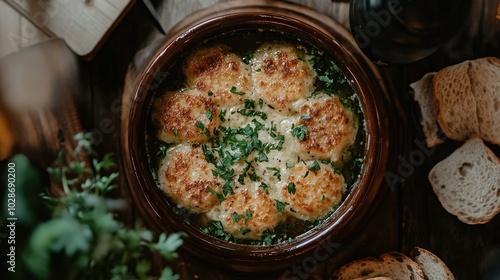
(236, 217)
(175, 132)
(216, 194)
(314, 166)
(248, 215)
(291, 188)
(265, 187)
(202, 128)
(200, 125)
(244, 230)
(161, 150)
(252, 113)
(222, 115)
(276, 173)
(216, 229)
(210, 93)
(281, 205)
(235, 91)
(246, 58)
(289, 165)
(329, 76)
(208, 114)
(299, 131)
(305, 117)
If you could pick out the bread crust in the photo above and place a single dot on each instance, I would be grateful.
(392, 265)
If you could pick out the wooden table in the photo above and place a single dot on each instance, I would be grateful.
(405, 215)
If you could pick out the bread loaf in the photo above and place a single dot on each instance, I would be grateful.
(467, 183)
(463, 100)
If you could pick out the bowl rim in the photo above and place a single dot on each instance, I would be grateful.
(349, 61)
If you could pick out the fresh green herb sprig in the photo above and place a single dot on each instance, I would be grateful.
(82, 235)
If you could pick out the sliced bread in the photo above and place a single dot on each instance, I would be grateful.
(484, 74)
(455, 103)
(422, 90)
(467, 183)
(434, 267)
(391, 265)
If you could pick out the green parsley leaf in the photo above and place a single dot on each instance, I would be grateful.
(236, 217)
(208, 114)
(281, 205)
(291, 188)
(262, 157)
(265, 187)
(248, 215)
(246, 58)
(222, 115)
(276, 173)
(216, 194)
(210, 93)
(235, 91)
(299, 131)
(314, 166)
(200, 125)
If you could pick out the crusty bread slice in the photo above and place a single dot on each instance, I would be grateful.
(422, 93)
(434, 267)
(484, 74)
(391, 265)
(467, 183)
(455, 103)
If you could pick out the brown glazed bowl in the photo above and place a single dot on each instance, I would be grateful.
(322, 32)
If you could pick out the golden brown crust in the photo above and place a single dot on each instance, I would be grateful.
(216, 69)
(280, 77)
(330, 128)
(177, 115)
(263, 216)
(316, 192)
(185, 176)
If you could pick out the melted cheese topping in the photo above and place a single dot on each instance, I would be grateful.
(280, 76)
(186, 177)
(217, 70)
(182, 117)
(270, 149)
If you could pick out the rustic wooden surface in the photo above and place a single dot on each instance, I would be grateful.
(405, 215)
